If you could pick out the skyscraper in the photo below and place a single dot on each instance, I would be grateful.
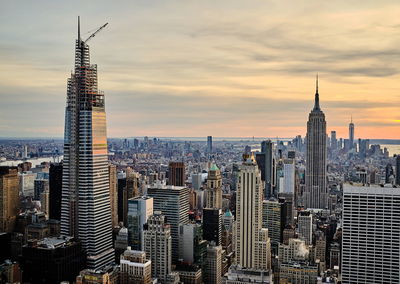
(173, 202)
(213, 190)
(212, 225)
(176, 173)
(334, 142)
(209, 144)
(315, 195)
(398, 169)
(305, 224)
(55, 186)
(213, 266)
(113, 194)
(253, 243)
(371, 230)
(265, 161)
(351, 133)
(139, 210)
(9, 198)
(158, 247)
(85, 205)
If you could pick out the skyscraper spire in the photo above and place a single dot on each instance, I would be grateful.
(79, 29)
(316, 104)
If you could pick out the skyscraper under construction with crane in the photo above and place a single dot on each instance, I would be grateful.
(85, 206)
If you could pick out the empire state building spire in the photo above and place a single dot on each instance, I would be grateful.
(316, 103)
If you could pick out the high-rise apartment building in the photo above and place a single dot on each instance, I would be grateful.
(252, 243)
(213, 189)
(371, 230)
(173, 202)
(85, 205)
(315, 195)
(176, 174)
(9, 198)
(139, 210)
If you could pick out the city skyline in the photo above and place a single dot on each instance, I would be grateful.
(255, 63)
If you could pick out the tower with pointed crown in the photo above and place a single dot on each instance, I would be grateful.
(85, 202)
(315, 195)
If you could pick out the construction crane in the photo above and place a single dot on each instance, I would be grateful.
(94, 34)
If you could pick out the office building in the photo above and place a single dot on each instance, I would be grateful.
(212, 225)
(120, 243)
(9, 198)
(289, 170)
(272, 220)
(193, 248)
(316, 194)
(266, 161)
(40, 185)
(173, 202)
(251, 238)
(305, 227)
(158, 248)
(55, 188)
(351, 133)
(398, 169)
(176, 174)
(139, 210)
(213, 190)
(213, 265)
(10, 272)
(106, 275)
(45, 202)
(112, 169)
(298, 273)
(135, 267)
(334, 142)
(85, 205)
(209, 144)
(127, 189)
(52, 260)
(295, 251)
(27, 183)
(371, 230)
(239, 275)
(197, 181)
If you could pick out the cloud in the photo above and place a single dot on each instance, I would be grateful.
(233, 67)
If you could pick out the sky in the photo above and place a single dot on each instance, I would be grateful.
(188, 68)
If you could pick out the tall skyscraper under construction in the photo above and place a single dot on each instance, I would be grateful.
(85, 205)
(315, 195)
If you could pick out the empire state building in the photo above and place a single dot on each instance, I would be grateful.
(85, 202)
(316, 194)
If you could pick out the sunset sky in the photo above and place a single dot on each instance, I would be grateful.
(209, 67)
